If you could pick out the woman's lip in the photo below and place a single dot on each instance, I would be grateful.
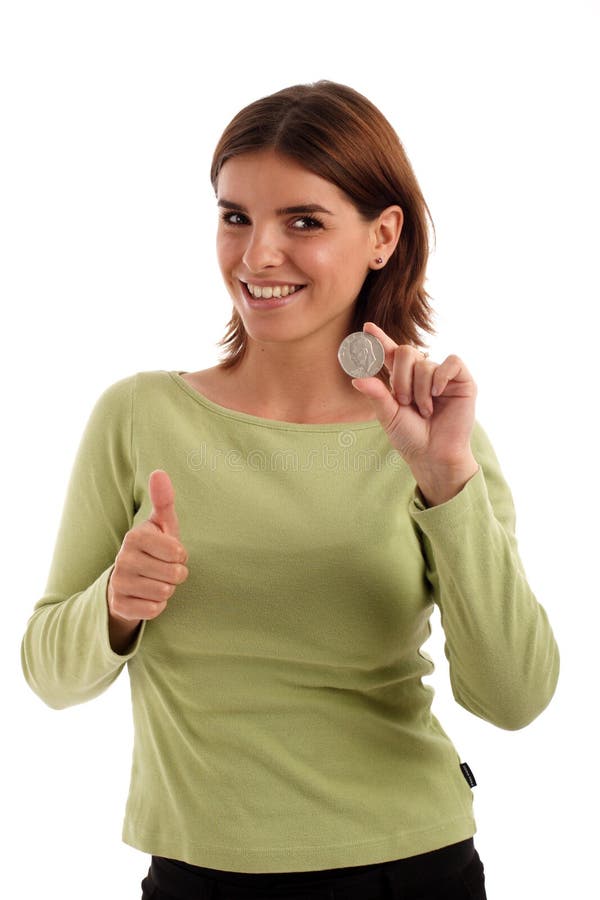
(263, 283)
(271, 303)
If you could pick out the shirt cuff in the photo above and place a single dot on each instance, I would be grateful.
(109, 653)
(473, 494)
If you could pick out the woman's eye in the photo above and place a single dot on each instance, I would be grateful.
(227, 216)
(311, 223)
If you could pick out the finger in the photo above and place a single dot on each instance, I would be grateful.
(400, 361)
(422, 386)
(404, 374)
(134, 608)
(151, 567)
(162, 496)
(388, 344)
(452, 378)
(148, 589)
(153, 543)
(384, 404)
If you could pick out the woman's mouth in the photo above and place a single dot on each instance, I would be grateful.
(270, 297)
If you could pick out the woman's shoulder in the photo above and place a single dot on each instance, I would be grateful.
(135, 381)
(149, 386)
(123, 393)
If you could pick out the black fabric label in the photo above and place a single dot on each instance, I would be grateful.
(469, 777)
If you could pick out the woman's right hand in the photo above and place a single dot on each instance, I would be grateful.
(148, 567)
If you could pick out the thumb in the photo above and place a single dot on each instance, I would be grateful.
(162, 496)
(384, 404)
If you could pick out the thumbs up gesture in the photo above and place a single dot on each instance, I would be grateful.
(148, 567)
(162, 495)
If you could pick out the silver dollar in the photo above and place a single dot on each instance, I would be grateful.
(361, 354)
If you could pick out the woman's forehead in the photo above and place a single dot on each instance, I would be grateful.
(267, 173)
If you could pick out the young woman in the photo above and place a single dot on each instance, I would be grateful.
(262, 543)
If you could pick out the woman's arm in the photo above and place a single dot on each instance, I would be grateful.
(503, 658)
(66, 652)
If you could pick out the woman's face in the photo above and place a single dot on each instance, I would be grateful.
(257, 242)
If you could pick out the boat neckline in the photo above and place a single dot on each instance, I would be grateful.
(260, 420)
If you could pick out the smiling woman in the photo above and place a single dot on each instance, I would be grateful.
(271, 600)
(340, 138)
(323, 263)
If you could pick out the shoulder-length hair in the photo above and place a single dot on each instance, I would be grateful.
(337, 133)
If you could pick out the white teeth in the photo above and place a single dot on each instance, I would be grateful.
(267, 292)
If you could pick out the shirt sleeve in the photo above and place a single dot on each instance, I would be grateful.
(502, 654)
(65, 652)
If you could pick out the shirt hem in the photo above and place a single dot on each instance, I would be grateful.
(284, 859)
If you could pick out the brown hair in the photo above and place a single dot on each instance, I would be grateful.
(337, 133)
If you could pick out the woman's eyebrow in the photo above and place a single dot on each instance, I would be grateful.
(285, 211)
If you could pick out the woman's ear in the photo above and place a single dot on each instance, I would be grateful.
(386, 231)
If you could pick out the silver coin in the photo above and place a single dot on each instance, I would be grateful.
(361, 354)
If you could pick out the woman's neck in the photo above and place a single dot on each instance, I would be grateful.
(279, 383)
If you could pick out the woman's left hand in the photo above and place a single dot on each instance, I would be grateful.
(428, 416)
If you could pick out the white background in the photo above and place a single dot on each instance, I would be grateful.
(109, 113)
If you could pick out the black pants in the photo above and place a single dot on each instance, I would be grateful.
(451, 873)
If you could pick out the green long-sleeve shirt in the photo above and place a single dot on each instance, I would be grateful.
(280, 718)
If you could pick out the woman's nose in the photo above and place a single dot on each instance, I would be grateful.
(262, 250)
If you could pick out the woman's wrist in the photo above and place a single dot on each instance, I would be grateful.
(443, 486)
(121, 632)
